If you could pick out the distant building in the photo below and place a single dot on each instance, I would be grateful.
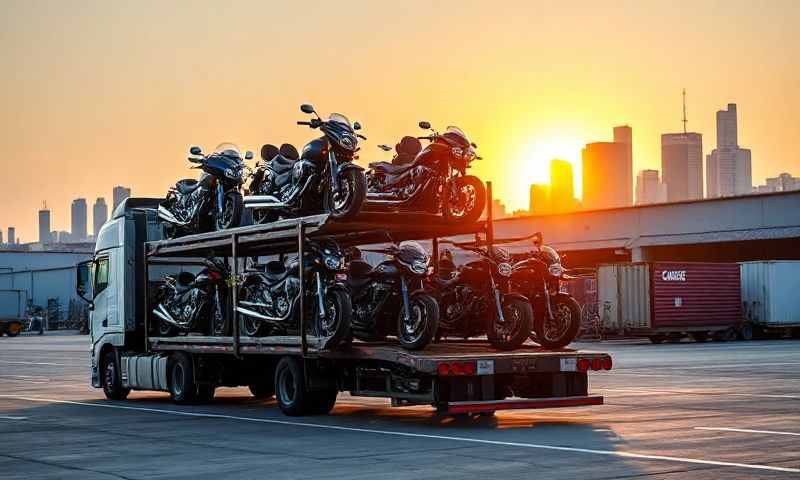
(624, 135)
(782, 183)
(120, 193)
(44, 226)
(79, 215)
(682, 165)
(605, 182)
(562, 189)
(12, 237)
(1, 237)
(728, 166)
(63, 236)
(99, 215)
(649, 188)
(539, 200)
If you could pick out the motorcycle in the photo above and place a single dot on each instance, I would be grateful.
(270, 294)
(431, 180)
(185, 300)
(214, 202)
(390, 299)
(475, 299)
(323, 177)
(556, 315)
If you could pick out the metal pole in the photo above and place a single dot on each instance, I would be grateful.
(435, 252)
(301, 230)
(234, 278)
(489, 216)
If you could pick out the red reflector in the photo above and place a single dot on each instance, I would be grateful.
(456, 369)
(583, 364)
(469, 368)
(607, 363)
(443, 369)
(597, 364)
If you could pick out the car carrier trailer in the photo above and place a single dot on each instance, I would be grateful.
(454, 377)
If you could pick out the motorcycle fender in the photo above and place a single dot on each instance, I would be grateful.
(516, 296)
(350, 166)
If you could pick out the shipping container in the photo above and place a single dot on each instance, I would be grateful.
(670, 299)
(769, 293)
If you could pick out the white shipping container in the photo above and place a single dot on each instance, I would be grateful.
(623, 294)
(770, 292)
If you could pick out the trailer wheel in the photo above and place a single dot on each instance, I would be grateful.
(111, 380)
(13, 329)
(290, 388)
(746, 332)
(656, 339)
(700, 337)
(182, 387)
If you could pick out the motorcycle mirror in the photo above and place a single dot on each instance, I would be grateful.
(385, 148)
(195, 150)
(473, 145)
(356, 126)
(306, 108)
(248, 155)
(425, 125)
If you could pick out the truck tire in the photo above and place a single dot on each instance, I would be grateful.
(13, 329)
(657, 339)
(745, 332)
(699, 337)
(111, 380)
(290, 388)
(182, 387)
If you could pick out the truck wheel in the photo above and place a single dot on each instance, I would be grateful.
(290, 388)
(656, 339)
(699, 337)
(745, 332)
(13, 329)
(112, 383)
(182, 387)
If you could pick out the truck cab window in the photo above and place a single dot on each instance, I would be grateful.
(101, 275)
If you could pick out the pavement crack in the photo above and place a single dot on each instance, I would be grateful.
(66, 467)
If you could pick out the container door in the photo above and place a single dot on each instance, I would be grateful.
(607, 297)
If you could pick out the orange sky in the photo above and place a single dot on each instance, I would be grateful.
(97, 94)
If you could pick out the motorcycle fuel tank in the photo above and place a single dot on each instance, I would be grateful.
(315, 150)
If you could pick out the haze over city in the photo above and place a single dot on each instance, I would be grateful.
(98, 95)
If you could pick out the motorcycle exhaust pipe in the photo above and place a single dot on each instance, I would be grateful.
(383, 198)
(163, 315)
(258, 316)
(262, 201)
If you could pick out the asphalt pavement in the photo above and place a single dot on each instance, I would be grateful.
(673, 411)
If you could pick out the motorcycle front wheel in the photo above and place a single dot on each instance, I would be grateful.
(469, 201)
(231, 215)
(562, 329)
(352, 191)
(514, 330)
(249, 326)
(334, 327)
(416, 333)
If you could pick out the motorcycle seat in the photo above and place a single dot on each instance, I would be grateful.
(390, 168)
(407, 150)
(281, 164)
(268, 152)
(275, 271)
(187, 185)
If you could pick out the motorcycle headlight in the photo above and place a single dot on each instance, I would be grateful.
(333, 262)
(233, 174)
(457, 152)
(556, 270)
(504, 269)
(419, 267)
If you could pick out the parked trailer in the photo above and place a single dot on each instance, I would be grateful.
(769, 296)
(455, 378)
(670, 300)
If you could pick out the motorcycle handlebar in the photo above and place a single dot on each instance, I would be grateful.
(303, 123)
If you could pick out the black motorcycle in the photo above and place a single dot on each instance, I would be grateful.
(556, 315)
(322, 178)
(475, 299)
(431, 180)
(390, 299)
(193, 303)
(270, 294)
(214, 202)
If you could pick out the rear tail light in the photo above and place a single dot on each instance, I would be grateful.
(583, 364)
(456, 369)
(597, 363)
(607, 363)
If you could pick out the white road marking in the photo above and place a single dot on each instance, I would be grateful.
(716, 365)
(39, 363)
(11, 417)
(611, 453)
(745, 430)
(700, 392)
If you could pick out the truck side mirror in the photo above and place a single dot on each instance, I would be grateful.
(83, 280)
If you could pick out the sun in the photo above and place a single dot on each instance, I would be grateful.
(535, 157)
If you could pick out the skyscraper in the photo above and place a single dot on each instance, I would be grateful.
(79, 214)
(682, 165)
(605, 184)
(99, 215)
(539, 200)
(44, 225)
(649, 188)
(120, 193)
(728, 167)
(562, 190)
(12, 236)
(624, 135)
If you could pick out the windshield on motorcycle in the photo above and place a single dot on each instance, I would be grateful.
(549, 256)
(340, 119)
(500, 254)
(228, 149)
(412, 254)
(457, 136)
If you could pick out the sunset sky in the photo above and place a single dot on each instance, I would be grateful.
(97, 94)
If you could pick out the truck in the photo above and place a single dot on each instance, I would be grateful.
(455, 377)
